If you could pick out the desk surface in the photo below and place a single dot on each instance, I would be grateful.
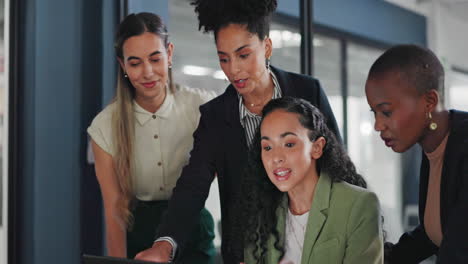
(90, 259)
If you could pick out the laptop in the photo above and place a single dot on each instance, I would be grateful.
(90, 259)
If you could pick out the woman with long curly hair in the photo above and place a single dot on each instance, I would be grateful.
(142, 140)
(304, 201)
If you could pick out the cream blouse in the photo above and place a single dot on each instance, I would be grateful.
(163, 140)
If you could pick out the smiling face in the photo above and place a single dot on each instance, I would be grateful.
(146, 61)
(400, 111)
(288, 155)
(242, 57)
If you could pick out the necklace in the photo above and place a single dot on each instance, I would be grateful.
(262, 102)
(256, 105)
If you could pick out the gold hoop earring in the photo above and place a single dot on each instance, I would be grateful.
(432, 124)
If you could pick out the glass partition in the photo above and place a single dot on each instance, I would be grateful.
(380, 166)
(458, 90)
(327, 69)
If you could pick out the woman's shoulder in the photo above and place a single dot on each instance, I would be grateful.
(354, 203)
(100, 129)
(105, 116)
(352, 193)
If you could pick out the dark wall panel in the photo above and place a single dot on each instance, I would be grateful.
(376, 20)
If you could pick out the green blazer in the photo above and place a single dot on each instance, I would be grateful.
(344, 226)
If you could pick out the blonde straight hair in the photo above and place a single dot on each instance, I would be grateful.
(123, 118)
(123, 121)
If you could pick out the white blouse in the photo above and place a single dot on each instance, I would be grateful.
(295, 232)
(163, 140)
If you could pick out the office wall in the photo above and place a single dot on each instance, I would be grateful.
(160, 7)
(50, 87)
(445, 21)
(447, 37)
(60, 89)
(375, 20)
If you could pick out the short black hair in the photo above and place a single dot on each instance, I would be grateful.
(419, 66)
(213, 15)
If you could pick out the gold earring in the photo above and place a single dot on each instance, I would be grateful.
(432, 124)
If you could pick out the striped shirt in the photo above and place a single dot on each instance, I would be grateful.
(251, 121)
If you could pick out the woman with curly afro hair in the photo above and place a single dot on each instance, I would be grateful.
(303, 201)
(228, 122)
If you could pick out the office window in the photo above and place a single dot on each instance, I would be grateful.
(458, 90)
(286, 41)
(195, 62)
(379, 165)
(327, 69)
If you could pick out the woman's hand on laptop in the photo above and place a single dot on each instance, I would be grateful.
(159, 252)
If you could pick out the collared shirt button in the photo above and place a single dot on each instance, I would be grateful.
(154, 116)
(159, 163)
(155, 136)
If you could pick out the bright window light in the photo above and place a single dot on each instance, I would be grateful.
(196, 70)
(366, 128)
(219, 75)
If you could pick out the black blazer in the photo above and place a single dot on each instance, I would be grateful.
(416, 246)
(220, 149)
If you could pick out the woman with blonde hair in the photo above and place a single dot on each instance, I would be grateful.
(142, 140)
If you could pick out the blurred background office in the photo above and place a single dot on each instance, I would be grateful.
(58, 69)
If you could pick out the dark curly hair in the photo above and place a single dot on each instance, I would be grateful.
(214, 15)
(261, 198)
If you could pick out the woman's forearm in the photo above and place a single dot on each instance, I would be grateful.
(115, 238)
